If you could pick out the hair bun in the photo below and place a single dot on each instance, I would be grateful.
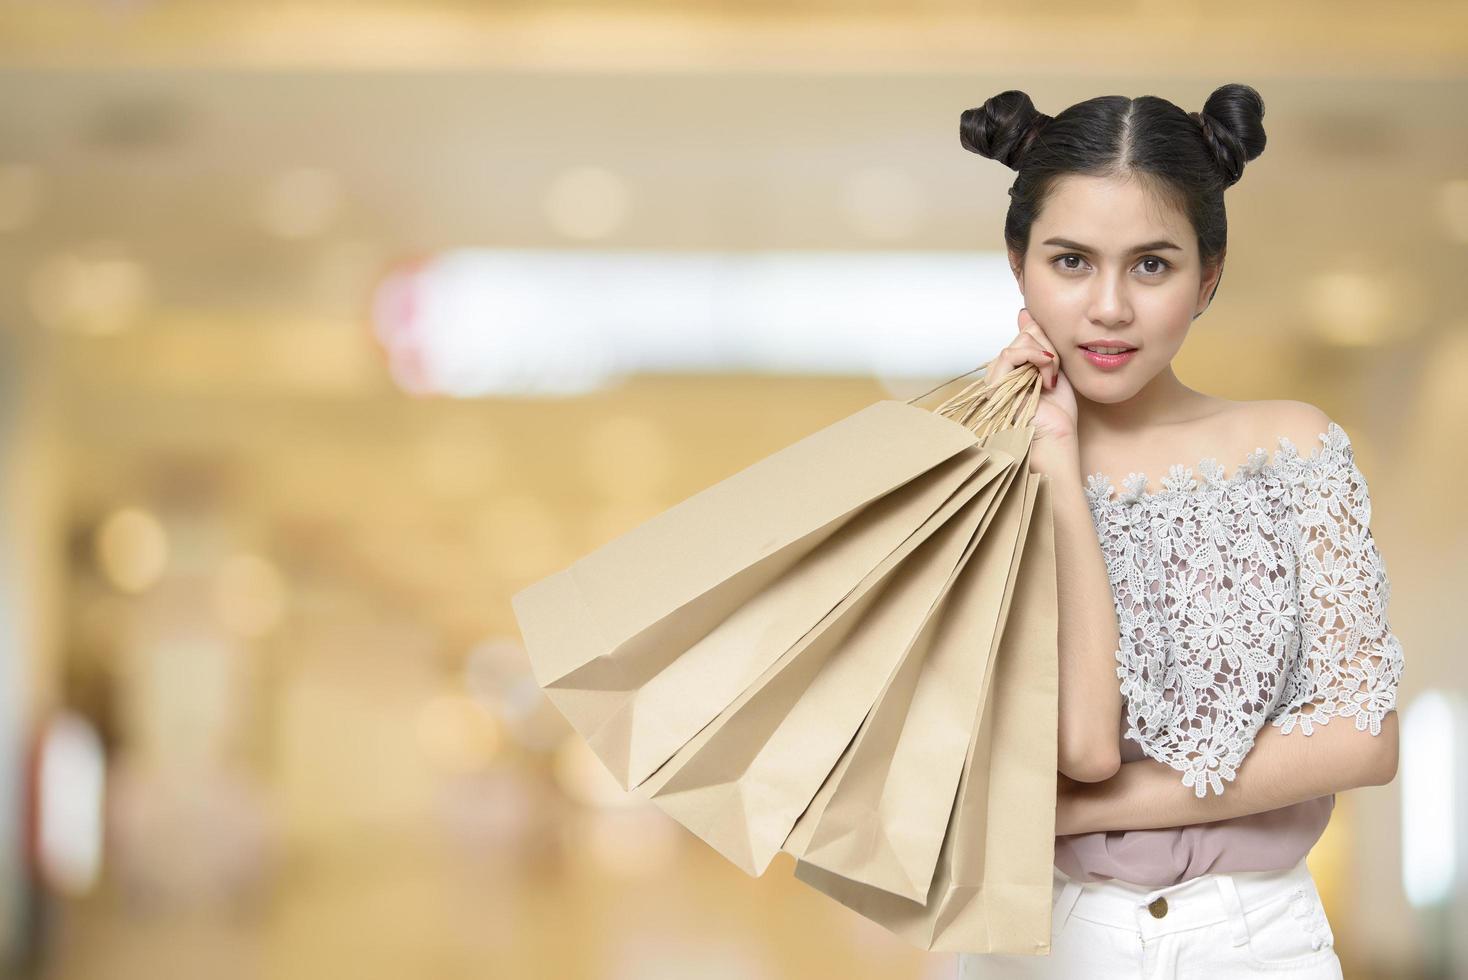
(1002, 128)
(1232, 122)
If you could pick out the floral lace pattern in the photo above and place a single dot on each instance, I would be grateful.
(1244, 599)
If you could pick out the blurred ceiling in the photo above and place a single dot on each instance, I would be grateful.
(183, 169)
(1337, 37)
(176, 133)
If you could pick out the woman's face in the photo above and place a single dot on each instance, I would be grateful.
(1109, 261)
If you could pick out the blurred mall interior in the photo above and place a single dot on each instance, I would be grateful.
(329, 326)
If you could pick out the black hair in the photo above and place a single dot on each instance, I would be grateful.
(1187, 158)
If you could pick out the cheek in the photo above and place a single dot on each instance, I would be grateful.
(1062, 300)
(1177, 295)
(1169, 311)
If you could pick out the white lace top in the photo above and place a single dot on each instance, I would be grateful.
(1245, 599)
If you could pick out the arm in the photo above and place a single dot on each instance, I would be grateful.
(1279, 770)
(1090, 694)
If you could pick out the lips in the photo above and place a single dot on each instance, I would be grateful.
(1107, 362)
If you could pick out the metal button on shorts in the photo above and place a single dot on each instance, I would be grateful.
(1158, 908)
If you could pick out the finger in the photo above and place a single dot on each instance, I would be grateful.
(1026, 339)
(1029, 325)
(1033, 329)
(1023, 350)
(1049, 361)
(1030, 329)
(1028, 353)
(1010, 358)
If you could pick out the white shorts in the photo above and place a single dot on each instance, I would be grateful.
(1214, 926)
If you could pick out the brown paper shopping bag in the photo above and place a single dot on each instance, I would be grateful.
(993, 887)
(645, 640)
(737, 658)
(884, 821)
(742, 782)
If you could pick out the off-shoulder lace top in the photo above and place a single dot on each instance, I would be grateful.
(1245, 599)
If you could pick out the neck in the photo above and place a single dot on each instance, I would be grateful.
(1161, 402)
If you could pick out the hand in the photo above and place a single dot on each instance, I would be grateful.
(1055, 416)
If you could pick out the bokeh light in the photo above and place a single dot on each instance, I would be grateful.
(131, 549)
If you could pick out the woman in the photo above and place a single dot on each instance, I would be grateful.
(1244, 613)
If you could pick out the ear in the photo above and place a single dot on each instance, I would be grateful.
(1209, 285)
(1017, 266)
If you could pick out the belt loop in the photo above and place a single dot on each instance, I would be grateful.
(1063, 905)
(1237, 922)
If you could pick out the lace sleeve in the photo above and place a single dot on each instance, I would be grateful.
(1350, 660)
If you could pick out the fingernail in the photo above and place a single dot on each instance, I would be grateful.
(1047, 353)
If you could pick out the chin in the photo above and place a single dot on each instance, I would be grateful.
(1108, 391)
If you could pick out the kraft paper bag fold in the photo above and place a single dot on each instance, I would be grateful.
(742, 782)
(885, 822)
(993, 887)
(1002, 891)
(801, 834)
(645, 640)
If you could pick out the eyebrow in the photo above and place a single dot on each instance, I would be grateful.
(1148, 247)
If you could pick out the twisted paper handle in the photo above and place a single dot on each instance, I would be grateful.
(984, 408)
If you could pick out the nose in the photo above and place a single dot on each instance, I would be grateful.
(1110, 302)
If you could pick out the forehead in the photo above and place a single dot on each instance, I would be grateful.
(1109, 213)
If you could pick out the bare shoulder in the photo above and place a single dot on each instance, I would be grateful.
(1268, 419)
(1227, 433)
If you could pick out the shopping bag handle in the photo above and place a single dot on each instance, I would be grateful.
(982, 407)
(948, 382)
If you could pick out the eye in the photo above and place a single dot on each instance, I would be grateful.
(1163, 264)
